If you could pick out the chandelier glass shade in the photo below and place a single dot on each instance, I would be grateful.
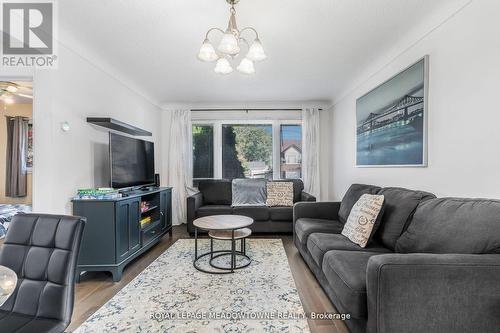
(223, 66)
(230, 47)
(207, 52)
(229, 44)
(246, 66)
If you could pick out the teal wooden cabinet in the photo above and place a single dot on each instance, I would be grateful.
(114, 234)
(128, 228)
(165, 209)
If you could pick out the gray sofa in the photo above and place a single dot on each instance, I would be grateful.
(433, 265)
(215, 198)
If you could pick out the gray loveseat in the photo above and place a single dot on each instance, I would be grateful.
(433, 265)
(215, 198)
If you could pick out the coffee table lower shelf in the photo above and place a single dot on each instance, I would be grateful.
(223, 235)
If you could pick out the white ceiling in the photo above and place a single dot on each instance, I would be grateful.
(315, 47)
(24, 87)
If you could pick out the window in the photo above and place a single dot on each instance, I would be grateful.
(270, 149)
(291, 152)
(203, 151)
(247, 151)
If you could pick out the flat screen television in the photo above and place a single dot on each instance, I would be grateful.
(132, 161)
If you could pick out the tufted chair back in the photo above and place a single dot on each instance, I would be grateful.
(43, 251)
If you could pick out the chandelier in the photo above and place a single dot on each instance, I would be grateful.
(230, 47)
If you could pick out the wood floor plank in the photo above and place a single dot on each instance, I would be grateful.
(96, 288)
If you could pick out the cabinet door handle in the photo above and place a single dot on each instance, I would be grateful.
(161, 213)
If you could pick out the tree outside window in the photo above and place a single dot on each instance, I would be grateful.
(247, 151)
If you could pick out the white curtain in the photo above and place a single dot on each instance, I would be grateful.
(310, 148)
(180, 163)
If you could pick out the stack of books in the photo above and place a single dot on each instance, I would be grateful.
(97, 194)
(145, 221)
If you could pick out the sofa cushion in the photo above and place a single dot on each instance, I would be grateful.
(399, 206)
(352, 196)
(453, 225)
(306, 226)
(281, 213)
(298, 187)
(258, 213)
(209, 210)
(249, 192)
(216, 191)
(345, 272)
(320, 243)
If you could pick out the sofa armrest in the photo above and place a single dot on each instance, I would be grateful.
(304, 196)
(433, 293)
(316, 210)
(194, 202)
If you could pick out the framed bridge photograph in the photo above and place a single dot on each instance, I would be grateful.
(391, 120)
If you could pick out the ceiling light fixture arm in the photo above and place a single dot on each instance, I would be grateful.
(252, 29)
(245, 42)
(212, 29)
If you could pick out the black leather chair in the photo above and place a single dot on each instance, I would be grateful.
(43, 251)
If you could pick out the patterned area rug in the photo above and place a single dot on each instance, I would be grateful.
(172, 296)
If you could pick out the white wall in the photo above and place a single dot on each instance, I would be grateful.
(66, 161)
(464, 113)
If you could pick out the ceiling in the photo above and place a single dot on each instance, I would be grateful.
(24, 87)
(315, 47)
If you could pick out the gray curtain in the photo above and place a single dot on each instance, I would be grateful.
(17, 145)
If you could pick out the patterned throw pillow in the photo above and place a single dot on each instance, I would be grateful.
(363, 219)
(279, 194)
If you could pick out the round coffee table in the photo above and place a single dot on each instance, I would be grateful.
(223, 227)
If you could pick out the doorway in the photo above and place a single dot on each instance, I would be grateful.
(16, 149)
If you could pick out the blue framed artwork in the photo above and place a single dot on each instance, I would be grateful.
(391, 121)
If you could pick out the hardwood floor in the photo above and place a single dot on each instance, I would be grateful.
(96, 288)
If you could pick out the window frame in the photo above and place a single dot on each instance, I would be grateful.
(192, 150)
(217, 130)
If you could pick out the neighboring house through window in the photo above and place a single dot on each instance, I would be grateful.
(291, 151)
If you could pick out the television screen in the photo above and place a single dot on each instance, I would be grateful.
(132, 161)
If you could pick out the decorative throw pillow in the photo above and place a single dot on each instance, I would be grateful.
(280, 194)
(249, 192)
(364, 219)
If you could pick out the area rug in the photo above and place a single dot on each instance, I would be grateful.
(172, 296)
